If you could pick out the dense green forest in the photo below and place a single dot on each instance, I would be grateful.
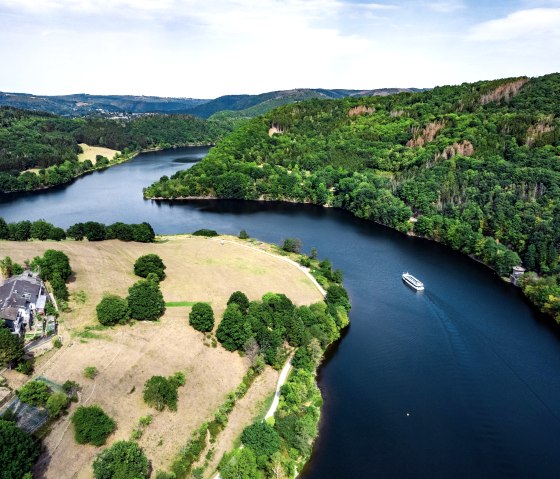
(474, 166)
(51, 143)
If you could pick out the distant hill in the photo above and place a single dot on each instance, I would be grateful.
(253, 105)
(82, 104)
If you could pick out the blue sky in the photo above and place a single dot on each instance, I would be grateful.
(207, 48)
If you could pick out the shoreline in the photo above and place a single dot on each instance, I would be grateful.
(125, 158)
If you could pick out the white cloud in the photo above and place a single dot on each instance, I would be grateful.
(446, 6)
(532, 23)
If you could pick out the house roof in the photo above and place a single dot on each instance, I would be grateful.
(18, 292)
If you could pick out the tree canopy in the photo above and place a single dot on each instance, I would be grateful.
(112, 309)
(11, 347)
(123, 460)
(145, 301)
(149, 263)
(18, 451)
(92, 425)
(201, 317)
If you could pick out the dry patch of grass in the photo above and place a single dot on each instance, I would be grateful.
(90, 152)
(198, 269)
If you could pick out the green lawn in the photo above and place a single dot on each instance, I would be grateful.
(174, 304)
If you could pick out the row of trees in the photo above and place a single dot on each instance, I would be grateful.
(90, 230)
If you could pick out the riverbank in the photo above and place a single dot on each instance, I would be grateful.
(68, 172)
(529, 292)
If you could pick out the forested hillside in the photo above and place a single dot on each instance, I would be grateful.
(475, 166)
(50, 144)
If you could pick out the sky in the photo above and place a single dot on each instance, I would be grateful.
(208, 48)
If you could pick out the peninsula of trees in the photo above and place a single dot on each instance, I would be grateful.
(474, 166)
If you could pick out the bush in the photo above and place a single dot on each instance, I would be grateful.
(57, 342)
(112, 309)
(149, 263)
(292, 245)
(243, 235)
(90, 372)
(71, 389)
(123, 460)
(26, 366)
(18, 451)
(201, 317)
(56, 404)
(145, 301)
(92, 425)
(34, 393)
(205, 232)
(160, 392)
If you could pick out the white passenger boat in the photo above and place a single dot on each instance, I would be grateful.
(413, 282)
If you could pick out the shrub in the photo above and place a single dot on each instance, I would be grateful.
(201, 317)
(92, 425)
(123, 460)
(240, 299)
(243, 235)
(178, 379)
(57, 342)
(112, 309)
(149, 263)
(26, 366)
(160, 392)
(90, 372)
(71, 389)
(205, 232)
(145, 301)
(292, 245)
(56, 404)
(18, 451)
(34, 393)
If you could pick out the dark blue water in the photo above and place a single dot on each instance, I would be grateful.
(458, 381)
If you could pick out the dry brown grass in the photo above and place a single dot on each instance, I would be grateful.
(90, 152)
(198, 269)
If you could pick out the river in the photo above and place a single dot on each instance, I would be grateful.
(458, 381)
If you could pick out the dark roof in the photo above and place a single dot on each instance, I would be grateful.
(17, 292)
